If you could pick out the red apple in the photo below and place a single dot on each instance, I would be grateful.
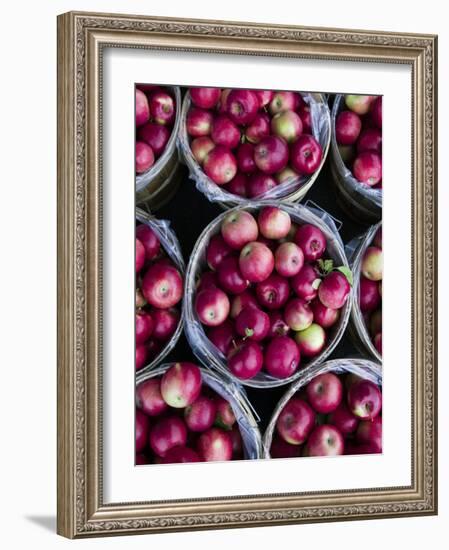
(242, 106)
(281, 357)
(162, 286)
(140, 255)
(169, 432)
(288, 259)
(142, 108)
(150, 241)
(165, 323)
(225, 417)
(367, 168)
(325, 392)
(258, 129)
(220, 165)
(215, 445)
(201, 147)
(370, 431)
(324, 316)
(343, 419)
(144, 157)
(230, 277)
(241, 301)
(225, 132)
(271, 154)
(305, 155)
(264, 96)
(259, 184)
(200, 415)
(239, 228)
(155, 135)
(305, 283)
(222, 336)
(181, 384)
(287, 125)
(284, 101)
(334, 290)
(311, 240)
(212, 306)
(347, 127)
(141, 356)
(237, 443)
(162, 107)
(295, 422)
(359, 104)
(245, 158)
(207, 280)
(311, 341)
(180, 454)
(246, 360)
(278, 327)
(149, 398)
(142, 427)
(370, 139)
(377, 340)
(325, 440)
(273, 292)
(153, 348)
(252, 323)
(144, 326)
(141, 459)
(199, 122)
(206, 98)
(364, 399)
(298, 315)
(376, 111)
(256, 262)
(281, 449)
(237, 186)
(369, 296)
(216, 251)
(306, 118)
(372, 263)
(274, 223)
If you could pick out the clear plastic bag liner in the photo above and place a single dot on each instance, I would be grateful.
(142, 180)
(355, 250)
(236, 396)
(364, 368)
(204, 349)
(320, 128)
(374, 195)
(171, 246)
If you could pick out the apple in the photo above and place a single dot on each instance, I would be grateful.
(259, 184)
(144, 157)
(284, 101)
(334, 290)
(367, 168)
(225, 132)
(325, 392)
(153, 348)
(220, 165)
(246, 360)
(237, 186)
(142, 428)
(140, 255)
(295, 421)
(311, 240)
(325, 440)
(376, 112)
(273, 292)
(181, 384)
(287, 125)
(242, 106)
(162, 107)
(278, 326)
(298, 315)
(281, 357)
(305, 283)
(208, 279)
(256, 262)
(162, 286)
(359, 104)
(167, 433)
(370, 431)
(155, 135)
(141, 459)
(180, 454)
(225, 417)
(305, 155)
(258, 129)
(372, 263)
(205, 98)
(212, 306)
(238, 228)
(150, 241)
(245, 158)
(311, 341)
(215, 445)
(149, 398)
(281, 449)
(244, 299)
(165, 323)
(199, 122)
(141, 356)
(370, 139)
(347, 127)
(288, 259)
(377, 340)
(264, 96)
(144, 326)
(216, 251)
(222, 336)
(324, 316)
(237, 443)
(355, 448)
(201, 147)
(343, 419)
(200, 415)
(252, 323)
(274, 223)
(306, 117)
(230, 277)
(286, 175)
(142, 108)
(271, 154)
(364, 399)
(369, 296)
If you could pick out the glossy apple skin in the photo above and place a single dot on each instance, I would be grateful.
(141, 459)
(217, 250)
(274, 223)
(199, 122)
(142, 108)
(200, 415)
(284, 101)
(242, 106)
(325, 392)
(165, 323)
(141, 356)
(245, 158)
(237, 443)
(212, 306)
(259, 184)
(282, 357)
(144, 157)
(364, 399)
(140, 256)
(167, 433)
(201, 147)
(325, 440)
(142, 428)
(239, 228)
(230, 277)
(370, 139)
(271, 154)
(222, 336)
(324, 316)
(144, 326)
(149, 398)
(225, 132)
(370, 431)
(347, 127)
(273, 292)
(162, 286)
(372, 264)
(155, 135)
(162, 107)
(256, 262)
(215, 445)
(287, 125)
(180, 454)
(240, 301)
(258, 129)
(334, 290)
(288, 259)
(367, 168)
(181, 385)
(311, 241)
(306, 118)
(343, 419)
(306, 155)
(295, 421)
(246, 360)
(278, 327)
(311, 341)
(298, 315)
(252, 323)
(225, 417)
(302, 283)
(150, 241)
(220, 165)
(264, 96)
(206, 98)
(238, 185)
(369, 296)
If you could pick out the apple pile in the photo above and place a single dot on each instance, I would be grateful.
(159, 288)
(370, 289)
(333, 414)
(250, 141)
(358, 131)
(155, 117)
(179, 419)
(270, 294)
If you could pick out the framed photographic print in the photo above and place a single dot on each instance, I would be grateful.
(246, 313)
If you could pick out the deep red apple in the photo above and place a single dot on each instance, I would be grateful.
(311, 240)
(259, 184)
(258, 129)
(215, 445)
(206, 98)
(201, 147)
(144, 157)
(238, 184)
(287, 125)
(225, 417)
(162, 286)
(256, 262)
(273, 292)
(216, 251)
(281, 357)
(141, 356)
(149, 398)
(225, 132)
(325, 392)
(162, 107)
(370, 431)
(142, 428)
(271, 154)
(370, 139)
(144, 326)
(295, 422)
(199, 122)
(264, 96)
(274, 223)
(180, 454)
(212, 306)
(153, 348)
(305, 283)
(298, 315)
(367, 168)
(167, 433)
(240, 301)
(181, 384)
(165, 323)
(364, 399)
(376, 112)
(306, 118)
(324, 316)
(155, 135)
(311, 341)
(288, 259)
(150, 241)
(278, 327)
(200, 415)
(334, 290)
(343, 419)
(141, 459)
(246, 360)
(305, 155)
(222, 336)
(252, 323)
(347, 127)
(230, 277)
(242, 106)
(369, 296)
(325, 440)
(220, 165)
(140, 256)
(281, 449)
(245, 158)
(239, 228)
(142, 108)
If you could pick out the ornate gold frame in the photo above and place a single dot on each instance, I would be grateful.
(81, 37)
